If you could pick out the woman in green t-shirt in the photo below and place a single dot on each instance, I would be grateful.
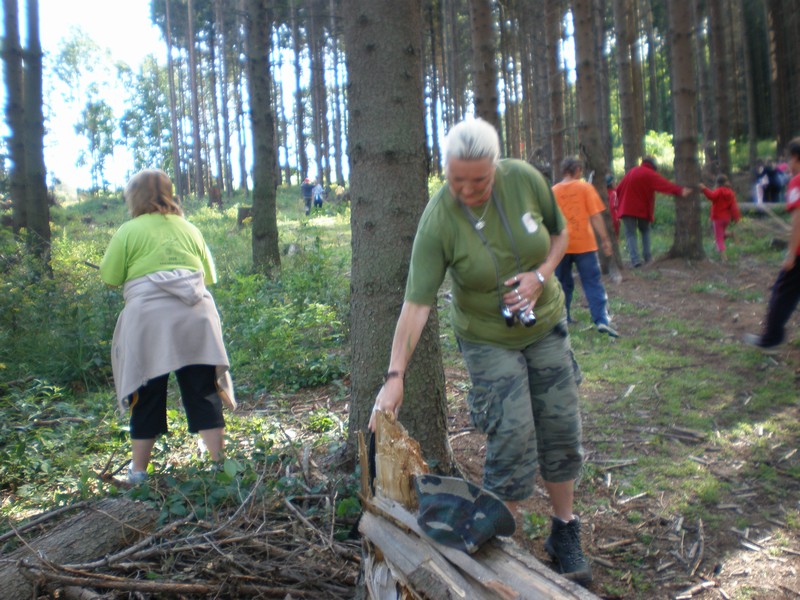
(497, 230)
(169, 322)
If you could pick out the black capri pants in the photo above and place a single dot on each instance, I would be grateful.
(201, 402)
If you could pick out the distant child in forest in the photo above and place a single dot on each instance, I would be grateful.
(724, 209)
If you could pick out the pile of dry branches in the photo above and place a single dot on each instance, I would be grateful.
(272, 547)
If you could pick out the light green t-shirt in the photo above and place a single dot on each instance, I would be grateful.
(155, 242)
(446, 241)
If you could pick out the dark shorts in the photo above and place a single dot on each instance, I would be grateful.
(199, 396)
(526, 402)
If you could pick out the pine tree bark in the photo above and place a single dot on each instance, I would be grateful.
(625, 75)
(15, 113)
(266, 256)
(194, 96)
(588, 117)
(688, 239)
(37, 202)
(388, 182)
(554, 13)
(484, 69)
(716, 17)
(173, 110)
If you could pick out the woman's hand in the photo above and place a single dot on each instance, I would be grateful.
(389, 398)
(526, 291)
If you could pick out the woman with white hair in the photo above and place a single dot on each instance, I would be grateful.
(497, 230)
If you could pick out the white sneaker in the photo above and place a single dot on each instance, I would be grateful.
(136, 477)
(606, 328)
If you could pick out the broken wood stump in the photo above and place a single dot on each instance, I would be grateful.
(110, 524)
(401, 561)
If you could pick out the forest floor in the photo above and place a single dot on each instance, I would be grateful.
(658, 554)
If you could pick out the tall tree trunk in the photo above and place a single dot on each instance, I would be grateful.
(173, 109)
(722, 87)
(704, 85)
(434, 164)
(38, 205)
(630, 147)
(194, 96)
(782, 65)
(752, 135)
(15, 113)
(588, 127)
(554, 13)
(484, 69)
(335, 34)
(299, 105)
(266, 257)
(653, 111)
(219, 180)
(227, 173)
(688, 241)
(389, 191)
(319, 104)
(636, 74)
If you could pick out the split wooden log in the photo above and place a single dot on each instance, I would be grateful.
(398, 552)
(111, 524)
(500, 570)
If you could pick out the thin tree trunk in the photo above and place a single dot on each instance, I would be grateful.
(266, 257)
(38, 205)
(299, 106)
(484, 69)
(688, 241)
(173, 111)
(703, 85)
(15, 113)
(338, 151)
(588, 129)
(194, 96)
(721, 84)
(752, 135)
(630, 147)
(554, 13)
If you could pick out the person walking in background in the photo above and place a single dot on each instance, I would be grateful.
(169, 322)
(786, 289)
(583, 208)
(319, 195)
(496, 229)
(724, 209)
(613, 203)
(637, 201)
(307, 192)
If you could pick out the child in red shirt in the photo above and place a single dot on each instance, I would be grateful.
(724, 209)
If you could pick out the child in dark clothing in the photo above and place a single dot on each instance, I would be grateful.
(724, 209)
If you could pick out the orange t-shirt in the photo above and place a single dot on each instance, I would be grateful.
(578, 200)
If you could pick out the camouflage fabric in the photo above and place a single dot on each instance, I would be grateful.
(459, 514)
(526, 402)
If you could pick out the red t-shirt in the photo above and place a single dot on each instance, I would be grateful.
(793, 196)
(637, 191)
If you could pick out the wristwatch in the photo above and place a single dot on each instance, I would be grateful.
(539, 276)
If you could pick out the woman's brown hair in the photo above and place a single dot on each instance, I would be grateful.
(150, 191)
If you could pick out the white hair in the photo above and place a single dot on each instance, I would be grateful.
(472, 139)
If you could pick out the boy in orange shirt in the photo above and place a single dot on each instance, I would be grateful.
(582, 208)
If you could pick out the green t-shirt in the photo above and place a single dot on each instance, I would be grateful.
(155, 242)
(446, 241)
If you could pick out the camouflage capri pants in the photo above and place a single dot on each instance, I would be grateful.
(526, 402)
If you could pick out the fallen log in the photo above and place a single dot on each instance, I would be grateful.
(110, 524)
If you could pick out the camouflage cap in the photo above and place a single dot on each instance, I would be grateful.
(459, 514)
